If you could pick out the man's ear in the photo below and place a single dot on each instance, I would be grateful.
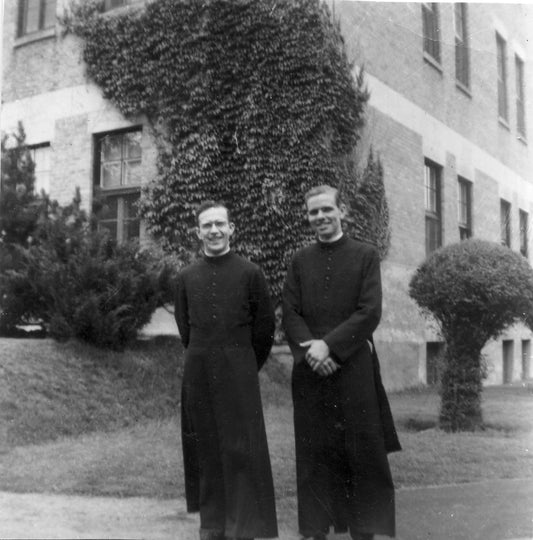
(231, 228)
(344, 210)
(197, 231)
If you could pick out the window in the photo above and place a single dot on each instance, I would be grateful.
(524, 226)
(113, 4)
(505, 223)
(35, 15)
(432, 205)
(434, 361)
(502, 77)
(118, 180)
(520, 98)
(507, 361)
(40, 156)
(430, 29)
(465, 209)
(462, 65)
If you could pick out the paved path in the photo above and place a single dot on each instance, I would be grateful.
(492, 510)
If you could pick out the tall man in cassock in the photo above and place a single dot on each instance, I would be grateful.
(226, 322)
(342, 419)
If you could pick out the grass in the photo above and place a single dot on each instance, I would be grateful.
(107, 424)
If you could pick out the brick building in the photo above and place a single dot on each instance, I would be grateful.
(448, 115)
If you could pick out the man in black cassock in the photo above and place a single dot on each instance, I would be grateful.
(342, 419)
(226, 323)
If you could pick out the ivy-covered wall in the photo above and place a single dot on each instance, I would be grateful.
(252, 102)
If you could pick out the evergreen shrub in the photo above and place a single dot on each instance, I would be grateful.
(80, 283)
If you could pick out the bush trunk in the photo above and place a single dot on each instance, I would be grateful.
(461, 388)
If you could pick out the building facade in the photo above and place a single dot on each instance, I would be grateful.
(448, 114)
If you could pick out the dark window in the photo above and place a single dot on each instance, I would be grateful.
(524, 226)
(35, 15)
(113, 4)
(520, 98)
(118, 180)
(434, 361)
(465, 209)
(505, 223)
(502, 77)
(430, 29)
(433, 206)
(41, 155)
(507, 361)
(526, 359)
(462, 63)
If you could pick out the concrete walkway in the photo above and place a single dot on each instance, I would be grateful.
(492, 510)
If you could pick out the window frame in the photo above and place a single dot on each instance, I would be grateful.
(523, 220)
(520, 97)
(32, 149)
(43, 27)
(433, 216)
(462, 52)
(431, 32)
(465, 226)
(505, 223)
(501, 70)
(121, 193)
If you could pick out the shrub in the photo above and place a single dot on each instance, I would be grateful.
(80, 283)
(474, 289)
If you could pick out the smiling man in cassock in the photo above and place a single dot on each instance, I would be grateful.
(226, 323)
(343, 425)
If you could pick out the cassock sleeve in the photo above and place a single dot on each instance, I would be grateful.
(181, 310)
(263, 323)
(347, 337)
(293, 322)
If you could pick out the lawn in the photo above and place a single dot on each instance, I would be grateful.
(78, 420)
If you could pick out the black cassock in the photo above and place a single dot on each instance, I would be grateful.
(343, 424)
(226, 322)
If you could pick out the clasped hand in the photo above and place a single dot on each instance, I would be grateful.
(318, 357)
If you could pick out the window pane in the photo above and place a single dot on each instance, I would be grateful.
(31, 20)
(109, 226)
(41, 159)
(520, 112)
(131, 229)
(132, 145)
(49, 18)
(524, 225)
(430, 28)
(505, 223)
(502, 77)
(131, 205)
(109, 209)
(132, 173)
(111, 148)
(110, 175)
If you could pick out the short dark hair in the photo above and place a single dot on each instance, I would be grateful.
(323, 188)
(206, 205)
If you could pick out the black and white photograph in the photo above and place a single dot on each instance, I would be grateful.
(265, 270)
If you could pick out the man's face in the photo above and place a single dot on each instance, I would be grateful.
(324, 216)
(214, 230)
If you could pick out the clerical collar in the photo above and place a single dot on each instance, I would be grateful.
(331, 245)
(218, 259)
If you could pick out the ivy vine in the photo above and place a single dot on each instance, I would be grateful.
(251, 101)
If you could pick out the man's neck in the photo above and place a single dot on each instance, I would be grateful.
(217, 254)
(330, 240)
